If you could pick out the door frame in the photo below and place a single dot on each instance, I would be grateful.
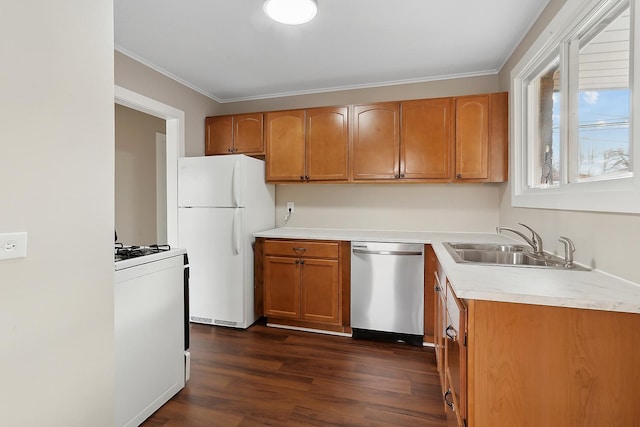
(175, 130)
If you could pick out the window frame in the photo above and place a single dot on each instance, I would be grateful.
(607, 195)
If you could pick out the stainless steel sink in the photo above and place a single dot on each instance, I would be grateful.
(488, 247)
(505, 255)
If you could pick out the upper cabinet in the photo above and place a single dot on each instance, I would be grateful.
(456, 139)
(426, 139)
(307, 145)
(284, 137)
(375, 150)
(481, 138)
(238, 134)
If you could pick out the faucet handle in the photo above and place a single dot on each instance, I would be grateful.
(537, 240)
(569, 249)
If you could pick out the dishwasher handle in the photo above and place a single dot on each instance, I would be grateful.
(364, 250)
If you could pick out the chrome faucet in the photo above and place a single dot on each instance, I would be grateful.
(535, 241)
(569, 249)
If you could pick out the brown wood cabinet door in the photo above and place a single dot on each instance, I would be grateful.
(376, 141)
(426, 139)
(218, 135)
(440, 319)
(456, 354)
(472, 137)
(284, 138)
(327, 144)
(247, 133)
(320, 290)
(282, 287)
(499, 138)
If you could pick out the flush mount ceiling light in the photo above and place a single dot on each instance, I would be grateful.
(291, 12)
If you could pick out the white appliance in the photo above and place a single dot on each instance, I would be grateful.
(222, 201)
(151, 333)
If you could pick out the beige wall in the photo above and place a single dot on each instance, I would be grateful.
(606, 241)
(135, 180)
(56, 175)
(143, 80)
(434, 89)
(424, 207)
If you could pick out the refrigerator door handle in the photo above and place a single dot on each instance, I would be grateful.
(235, 182)
(237, 234)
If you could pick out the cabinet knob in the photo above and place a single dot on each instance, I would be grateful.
(459, 176)
(306, 178)
(297, 261)
(301, 178)
(396, 176)
(230, 150)
(401, 175)
(301, 261)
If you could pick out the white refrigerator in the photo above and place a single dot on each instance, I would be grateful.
(222, 201)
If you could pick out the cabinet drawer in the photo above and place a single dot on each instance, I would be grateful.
(301, 248)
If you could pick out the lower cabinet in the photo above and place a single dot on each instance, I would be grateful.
(527, 365)
(450, 341)
(302, 282)
(455, 348)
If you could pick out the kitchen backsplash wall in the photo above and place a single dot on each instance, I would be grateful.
(431, 207)
(607, 241)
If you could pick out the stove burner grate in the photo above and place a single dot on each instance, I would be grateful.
(122, 252)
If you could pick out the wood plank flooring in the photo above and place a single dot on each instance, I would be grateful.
(276, 377)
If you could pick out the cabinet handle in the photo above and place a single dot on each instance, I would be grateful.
(459, 176)
(449, 404)
(453, 336)
(299, 250)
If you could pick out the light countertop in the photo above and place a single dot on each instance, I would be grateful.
(594, 289)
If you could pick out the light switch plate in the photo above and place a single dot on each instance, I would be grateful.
(13, 245)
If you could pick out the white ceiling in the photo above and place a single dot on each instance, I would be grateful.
(229, 50)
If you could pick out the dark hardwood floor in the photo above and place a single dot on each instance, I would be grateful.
(276, 377)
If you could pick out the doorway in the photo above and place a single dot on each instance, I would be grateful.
(175, 125)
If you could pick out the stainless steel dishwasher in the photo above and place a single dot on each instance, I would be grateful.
(387, 291)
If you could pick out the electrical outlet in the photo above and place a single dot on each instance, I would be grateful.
(290, 207)
(13, 245)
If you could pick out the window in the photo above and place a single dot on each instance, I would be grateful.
(572, 112)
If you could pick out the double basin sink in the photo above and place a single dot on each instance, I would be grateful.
(506, 255)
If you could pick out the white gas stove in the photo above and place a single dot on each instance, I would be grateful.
(151, 320)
